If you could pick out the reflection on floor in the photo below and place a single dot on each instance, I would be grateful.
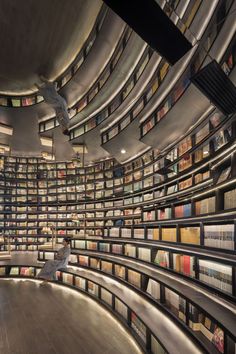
(50, 319)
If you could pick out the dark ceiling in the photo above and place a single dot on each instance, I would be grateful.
(41, 37)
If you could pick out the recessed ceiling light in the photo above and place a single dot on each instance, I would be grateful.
(123, 151)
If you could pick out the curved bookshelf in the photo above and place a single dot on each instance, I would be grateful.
(29, 100)
(152, 121)
(93, 122)
(96, 87)
(153, 86)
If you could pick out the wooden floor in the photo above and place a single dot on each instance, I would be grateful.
(51, 319)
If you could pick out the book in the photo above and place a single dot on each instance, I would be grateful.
(205, 206)
(222, 138)
(120, 271)
(190, 235)
(164, 213)
(224, 175)
(153, 234)
(219, 236)
(139, 233)
(216, 274)
(138, 326)
(106, 267)
(134, 278)
(184, 210)
(126, 232)
(121, 308)
(92, 288)
(162, 258)
(144, 254)
(184, 264)
(230, 199)
(149, 215)
(80, 283)
(185, 145)
(130, 250)
(156, 347)
(185, 162)
(106, 296)
(153, 288)
(218, 339)
(175, 303)
(169, 234)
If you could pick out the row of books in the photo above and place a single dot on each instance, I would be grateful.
(206, 326)
(216, 275)
(184, 264)
(198, 321)
(176, 304)
(184, 210)
(205, 206)
(218, 235)
(212, 273)
(230, 199)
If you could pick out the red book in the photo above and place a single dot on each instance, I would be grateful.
(186, 265)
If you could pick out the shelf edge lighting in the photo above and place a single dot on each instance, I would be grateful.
(6, 129)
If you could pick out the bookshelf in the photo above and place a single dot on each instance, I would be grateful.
(93, 91)
(29, 100)
(149, 211)
(151, 89)
(117, 101)
(167, 296)
(214, 270)
(150, 124)
(152, 189)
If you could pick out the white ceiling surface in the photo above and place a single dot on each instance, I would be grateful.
(41, 37)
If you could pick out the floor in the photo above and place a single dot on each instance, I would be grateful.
(50, 319)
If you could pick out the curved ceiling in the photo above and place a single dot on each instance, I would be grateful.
(41, 37)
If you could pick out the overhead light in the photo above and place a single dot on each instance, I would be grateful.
(123, 151)
(80, 148)
(6, 129)
(206, 152)
(45, 141)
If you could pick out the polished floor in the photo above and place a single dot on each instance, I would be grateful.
(50, 319)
